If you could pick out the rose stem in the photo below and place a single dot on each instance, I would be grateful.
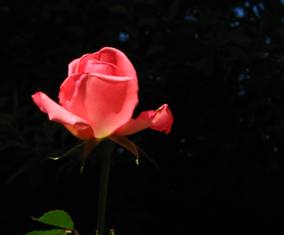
(107, 149)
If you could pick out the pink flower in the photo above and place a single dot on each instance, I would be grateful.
(98, 98)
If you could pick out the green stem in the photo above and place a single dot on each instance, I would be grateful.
(107, 149)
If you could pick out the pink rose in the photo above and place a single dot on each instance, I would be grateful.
(98, 98)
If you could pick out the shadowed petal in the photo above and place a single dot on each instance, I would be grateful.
(76, 125)
(72, 95)
(160, 120)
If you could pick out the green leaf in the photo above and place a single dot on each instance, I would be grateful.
(49, 232)
(58, 218)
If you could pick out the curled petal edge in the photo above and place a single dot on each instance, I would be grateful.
(76, 125)
(160, 119)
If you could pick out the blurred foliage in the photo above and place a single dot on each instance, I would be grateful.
(49, 232)
(219, 65)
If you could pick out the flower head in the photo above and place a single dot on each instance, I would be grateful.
(98, 98)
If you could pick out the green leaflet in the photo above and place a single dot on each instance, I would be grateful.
(58, 218)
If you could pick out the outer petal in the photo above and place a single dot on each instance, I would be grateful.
(109, 103)
(76, 125)
(160, 120)
(105, 102)
(72, 95)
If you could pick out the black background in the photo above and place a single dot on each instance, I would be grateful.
(220, 67)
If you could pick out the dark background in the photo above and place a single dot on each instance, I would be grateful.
(220, 67)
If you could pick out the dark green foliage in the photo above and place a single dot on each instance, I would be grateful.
(48, 232)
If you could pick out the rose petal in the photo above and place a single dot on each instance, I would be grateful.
(72, 95)
(81, 131)
(76, 125)
(105, 102)
(109, 103)
(116, 57)
(160, 120)
(98, 67)
(107, 61)
(111, 77)
(72, 67)
(78, 65)
(101, 89)
(67, 89)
